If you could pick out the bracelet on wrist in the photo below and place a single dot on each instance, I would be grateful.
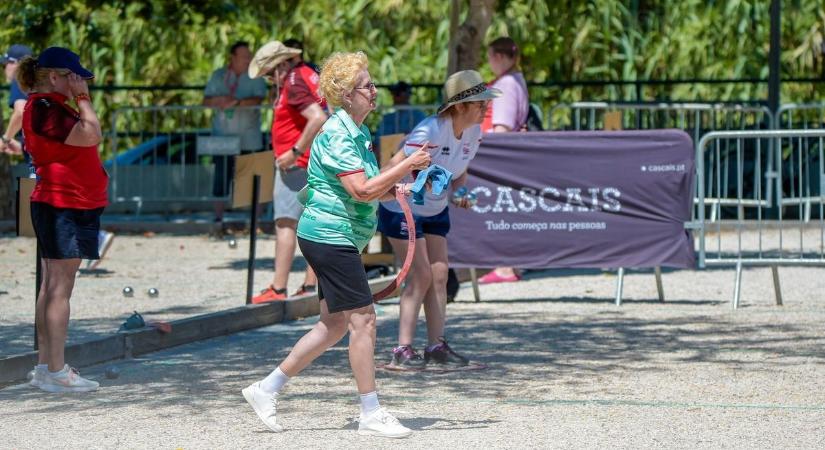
(4, 139)
(296, 151)
(79, 97)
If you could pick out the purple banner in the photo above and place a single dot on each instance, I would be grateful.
(592, 199)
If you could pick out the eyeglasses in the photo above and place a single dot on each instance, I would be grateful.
(370, 86)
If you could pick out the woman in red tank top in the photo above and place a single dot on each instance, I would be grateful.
(67, 201)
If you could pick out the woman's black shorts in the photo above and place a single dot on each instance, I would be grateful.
(66, 233)
(342, 281)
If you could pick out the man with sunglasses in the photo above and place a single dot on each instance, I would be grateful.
(233, 95)
(299, 115)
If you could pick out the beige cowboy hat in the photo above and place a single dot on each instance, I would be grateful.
(466, 86)
(269, 56)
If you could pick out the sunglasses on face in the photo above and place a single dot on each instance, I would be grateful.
(369, 86)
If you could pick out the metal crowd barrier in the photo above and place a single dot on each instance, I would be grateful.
(165, 158)
(398, 118)
(771, 234)
(805, 117)
(157, 162)
(696, 119)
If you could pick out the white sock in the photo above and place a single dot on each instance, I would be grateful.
(61, 371)
(274, 381)
(41, 367)
(369, 403)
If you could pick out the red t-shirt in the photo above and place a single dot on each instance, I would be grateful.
(300, 89)
(67, 176)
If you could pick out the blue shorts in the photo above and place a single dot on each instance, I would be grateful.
(66, 233)
(393, 224)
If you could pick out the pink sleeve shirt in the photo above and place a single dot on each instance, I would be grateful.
(511, 108)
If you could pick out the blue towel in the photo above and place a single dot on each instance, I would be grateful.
(440, 180)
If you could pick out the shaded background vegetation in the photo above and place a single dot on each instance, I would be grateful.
(177, 43)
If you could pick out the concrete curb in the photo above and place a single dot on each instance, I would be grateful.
(127, 344)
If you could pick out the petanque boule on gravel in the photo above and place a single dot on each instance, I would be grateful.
(233, 243)
(153, 292)
(128, 291)
(112, 372)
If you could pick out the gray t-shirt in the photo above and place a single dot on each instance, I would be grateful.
(244, 122)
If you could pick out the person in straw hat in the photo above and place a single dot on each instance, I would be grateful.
(345, 185)
(299, 114)
(452, 137)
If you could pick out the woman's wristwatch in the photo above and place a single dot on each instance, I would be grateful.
(296, 151)
(4, 139)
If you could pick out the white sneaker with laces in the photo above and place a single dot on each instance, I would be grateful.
(264, 405)
(67, 380)
(37, 376)
(381, 423)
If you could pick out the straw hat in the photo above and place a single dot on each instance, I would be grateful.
(466, 86)
(269, 56)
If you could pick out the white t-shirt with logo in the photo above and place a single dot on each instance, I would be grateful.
(446, 151)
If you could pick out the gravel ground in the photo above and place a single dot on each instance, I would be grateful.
(194, 275)
(199, 274)
(570, 372)
(567, 368)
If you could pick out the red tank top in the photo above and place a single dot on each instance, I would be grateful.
(67, 176)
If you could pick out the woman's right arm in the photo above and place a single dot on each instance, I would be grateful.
(86, 131)
(365, 190)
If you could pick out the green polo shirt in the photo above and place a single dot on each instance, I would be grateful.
(331, 215)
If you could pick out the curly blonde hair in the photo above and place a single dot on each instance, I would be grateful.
(338, 75)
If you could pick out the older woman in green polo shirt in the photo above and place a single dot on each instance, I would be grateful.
(344, 187)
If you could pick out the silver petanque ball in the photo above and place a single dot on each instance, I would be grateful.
(233, 243)
(472, 199)
(112, 372)
(128, 291)
(459, 194)
(153, 292)
(30, 375)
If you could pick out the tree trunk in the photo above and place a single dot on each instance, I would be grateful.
(467, 40)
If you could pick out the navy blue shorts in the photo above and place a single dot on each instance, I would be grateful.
(66, 233)
(393, 224)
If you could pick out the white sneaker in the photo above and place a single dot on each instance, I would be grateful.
(104, 241)
(67, 380)
(264, 405)
(37, 376)
(381, 423)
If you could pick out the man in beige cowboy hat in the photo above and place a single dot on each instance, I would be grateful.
(299, 114)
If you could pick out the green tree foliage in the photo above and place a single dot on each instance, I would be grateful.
(179, 42)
